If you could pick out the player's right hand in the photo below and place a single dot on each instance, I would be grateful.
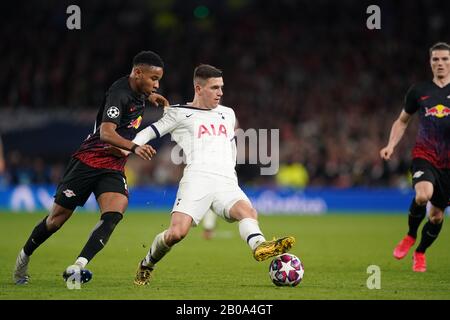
(386, 153)
(145, 152)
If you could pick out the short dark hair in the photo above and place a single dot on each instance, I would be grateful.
(206, 71)
(148, 58)
(439, 46)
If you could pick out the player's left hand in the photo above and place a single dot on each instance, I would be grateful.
(145, 152)
(158, 100)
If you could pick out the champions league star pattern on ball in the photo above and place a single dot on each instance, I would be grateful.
(286, 270)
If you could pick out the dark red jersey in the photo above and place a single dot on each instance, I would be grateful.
(123, 107)
(433, 137)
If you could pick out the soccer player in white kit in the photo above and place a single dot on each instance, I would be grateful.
(204, 129)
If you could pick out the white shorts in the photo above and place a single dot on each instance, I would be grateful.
(198, 193)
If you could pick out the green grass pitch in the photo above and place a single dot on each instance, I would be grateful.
(335, 249)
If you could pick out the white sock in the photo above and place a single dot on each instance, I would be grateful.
(157, 252)
(82, 262)
(209, 220)
(250, 227)
(23, 255)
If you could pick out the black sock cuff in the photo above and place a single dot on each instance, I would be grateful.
(417, 211)
(112, 217)
(430, 232)
(44, 222)
(39, 234)
(153, 260)
(253, 235)
(435, 228)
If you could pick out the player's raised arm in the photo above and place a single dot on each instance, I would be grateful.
(398, 129)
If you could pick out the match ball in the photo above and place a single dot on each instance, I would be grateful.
(286, 270)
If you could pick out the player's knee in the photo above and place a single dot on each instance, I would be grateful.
(54, 222)
(244, 213)
(174, 236)
(437, 218)
(422, 198)
(248, 213)
(58, 216)
(252, 213)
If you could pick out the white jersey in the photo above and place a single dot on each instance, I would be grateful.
(205, 135)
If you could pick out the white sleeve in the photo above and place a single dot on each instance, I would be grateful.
(157, 129)
(144, 136)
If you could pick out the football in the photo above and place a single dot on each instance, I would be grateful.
(286, 270)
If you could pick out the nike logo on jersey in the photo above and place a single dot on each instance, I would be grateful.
(423, 98)
(188, 115)
(221, 114)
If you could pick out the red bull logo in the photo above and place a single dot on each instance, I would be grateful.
(136, 123)
(439, 111)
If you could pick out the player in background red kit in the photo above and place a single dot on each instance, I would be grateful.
(430, 155)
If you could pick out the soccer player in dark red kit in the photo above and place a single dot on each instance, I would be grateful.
(430, 155)
(92, 169)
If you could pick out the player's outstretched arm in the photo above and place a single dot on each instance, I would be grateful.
(140, 151)
(144, 136)
(139, 146)
(398, 129)
(109, 135)
(166, 124)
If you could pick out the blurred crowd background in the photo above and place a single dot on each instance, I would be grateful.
(311, 69)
